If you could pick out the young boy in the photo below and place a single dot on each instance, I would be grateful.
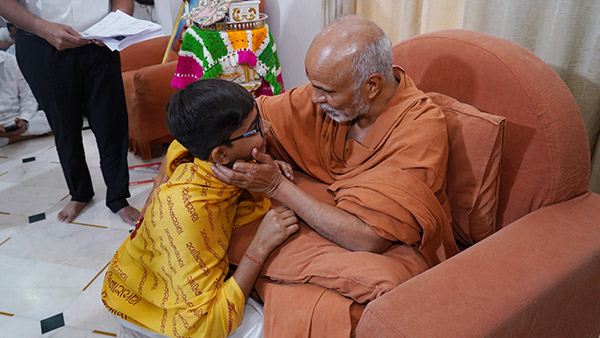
(168, 278)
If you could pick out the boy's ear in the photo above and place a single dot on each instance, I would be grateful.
(219, 155)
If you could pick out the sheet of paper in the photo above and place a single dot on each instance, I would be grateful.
(118, 30)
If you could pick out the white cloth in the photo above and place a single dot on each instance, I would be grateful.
(252, 322)
(17, 100)
(12, 50)
(38, 125)
(79, 14)
(251, 326)
(5, 34)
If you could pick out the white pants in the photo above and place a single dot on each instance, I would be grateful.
(37, 126)
(250, 327)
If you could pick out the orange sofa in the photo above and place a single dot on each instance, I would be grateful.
(148, 88)
(147, 83)
(539, 275)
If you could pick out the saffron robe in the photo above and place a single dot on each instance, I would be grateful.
(394, 181)
(169, 275)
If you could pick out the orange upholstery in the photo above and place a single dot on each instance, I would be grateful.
(539, 275)
(476, 140)
(147, 85)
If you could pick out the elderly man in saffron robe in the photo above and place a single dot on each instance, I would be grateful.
(370, 150)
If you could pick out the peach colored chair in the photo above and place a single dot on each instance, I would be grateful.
(539, 276)
(147, 83)
(148, 88)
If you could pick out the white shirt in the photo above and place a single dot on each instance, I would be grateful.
(79, 14)
(5, 34)
(16, 98)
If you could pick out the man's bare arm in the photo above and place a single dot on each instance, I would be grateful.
(125, 6)
(59, 35)
(332, 223)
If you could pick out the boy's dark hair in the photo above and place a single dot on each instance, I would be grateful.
(206, 112)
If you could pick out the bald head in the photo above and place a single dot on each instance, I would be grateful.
(351, 44)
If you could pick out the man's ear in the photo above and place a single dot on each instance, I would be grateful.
(373, 85)
(219, 155)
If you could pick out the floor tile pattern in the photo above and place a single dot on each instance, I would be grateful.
(51, 272)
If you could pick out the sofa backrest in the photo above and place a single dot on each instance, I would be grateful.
(546, 156)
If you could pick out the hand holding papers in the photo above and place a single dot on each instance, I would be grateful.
(118, 30)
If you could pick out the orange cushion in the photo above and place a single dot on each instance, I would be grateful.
(476, 140)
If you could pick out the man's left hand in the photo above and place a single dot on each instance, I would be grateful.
(264, 176)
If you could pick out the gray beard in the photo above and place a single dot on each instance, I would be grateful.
(360, 109)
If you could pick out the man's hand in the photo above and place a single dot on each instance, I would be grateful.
(264, 176)
(286, 169)
(22, 124)
(61, 36)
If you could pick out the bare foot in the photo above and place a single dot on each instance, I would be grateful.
(70, 211)
(129, 215)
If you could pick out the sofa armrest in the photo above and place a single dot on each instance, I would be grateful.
(537, 277)
(147, 91)
(145, 53)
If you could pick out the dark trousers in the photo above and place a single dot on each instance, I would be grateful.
(72, 83)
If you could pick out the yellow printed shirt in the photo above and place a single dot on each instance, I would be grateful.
(169, 275)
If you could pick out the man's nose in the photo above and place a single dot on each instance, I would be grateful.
(318, 96)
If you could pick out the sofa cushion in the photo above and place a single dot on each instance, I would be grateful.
(476, 141)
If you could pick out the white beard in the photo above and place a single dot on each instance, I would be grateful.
(361, 108)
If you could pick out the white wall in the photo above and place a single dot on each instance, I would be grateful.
(164, 13)
(293, 24)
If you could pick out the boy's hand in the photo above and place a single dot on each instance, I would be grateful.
(286, 169)
(277, 225)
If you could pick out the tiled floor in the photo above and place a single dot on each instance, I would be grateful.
(51, 272)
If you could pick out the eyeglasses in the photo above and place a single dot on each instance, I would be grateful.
(257, 128)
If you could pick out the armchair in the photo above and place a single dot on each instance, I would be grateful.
(147, 83)
(539, 275)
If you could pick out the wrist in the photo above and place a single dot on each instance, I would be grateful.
(278, 189)
(255, 260)
(38, 27)
(257, 252)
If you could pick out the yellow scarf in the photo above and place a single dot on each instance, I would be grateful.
(168, 276)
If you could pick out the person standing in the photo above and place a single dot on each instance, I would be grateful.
(72, 77)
